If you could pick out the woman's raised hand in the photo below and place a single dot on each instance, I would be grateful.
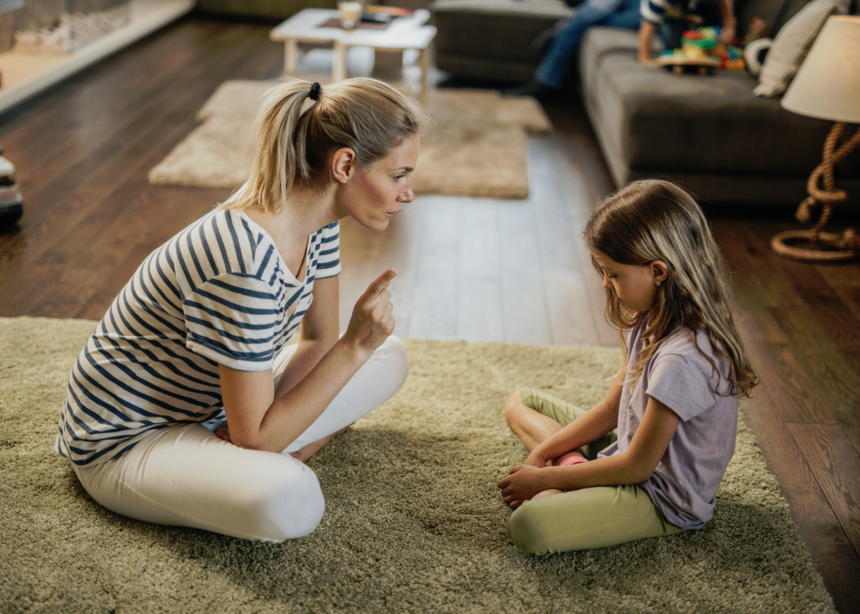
(372, 318)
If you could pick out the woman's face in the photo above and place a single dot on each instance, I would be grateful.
(374, 195)
(633, 284)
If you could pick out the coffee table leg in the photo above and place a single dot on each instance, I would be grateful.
(338, 68)
(424, 61)
(291, 57)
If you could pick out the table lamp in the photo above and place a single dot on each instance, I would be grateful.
(827, 86)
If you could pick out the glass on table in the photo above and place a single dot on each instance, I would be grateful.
(350, 13)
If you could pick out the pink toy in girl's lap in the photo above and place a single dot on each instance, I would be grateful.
(571, 458)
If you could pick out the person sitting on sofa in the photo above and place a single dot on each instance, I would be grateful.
(550, 75)
(669, 19)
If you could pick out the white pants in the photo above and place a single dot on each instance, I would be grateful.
(186, 476)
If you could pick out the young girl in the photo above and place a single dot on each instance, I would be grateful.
(660, 441)
(198, 336)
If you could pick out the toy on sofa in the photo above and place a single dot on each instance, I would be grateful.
(702, 52)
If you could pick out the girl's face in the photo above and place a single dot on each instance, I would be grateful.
(374, 195)
(633, 284)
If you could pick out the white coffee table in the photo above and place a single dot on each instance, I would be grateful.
(402, 33)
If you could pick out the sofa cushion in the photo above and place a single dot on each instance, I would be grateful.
(653, 119)
(791, 46)
(774, 13)
(499, 29)
(492, 39)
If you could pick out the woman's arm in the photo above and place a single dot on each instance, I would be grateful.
(318, 333)
(258, 419)
(633, 466)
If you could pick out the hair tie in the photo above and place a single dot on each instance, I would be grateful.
(315, 91)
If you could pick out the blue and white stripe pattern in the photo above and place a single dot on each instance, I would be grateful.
(655, 10)
(216, 293)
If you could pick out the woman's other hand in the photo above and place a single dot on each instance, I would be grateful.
(372, 320)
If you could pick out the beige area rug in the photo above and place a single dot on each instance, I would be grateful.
(414, 522)
(475, 147)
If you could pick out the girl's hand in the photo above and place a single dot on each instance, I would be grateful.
(224, 434)
(522, 483)
(372, 319)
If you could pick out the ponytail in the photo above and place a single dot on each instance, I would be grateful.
(301, 125)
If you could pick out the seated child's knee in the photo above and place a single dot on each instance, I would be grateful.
(528, 531)
(513, 408)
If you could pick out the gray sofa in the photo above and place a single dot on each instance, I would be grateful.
(710, 134)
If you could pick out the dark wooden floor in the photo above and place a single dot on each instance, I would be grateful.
(512, 271)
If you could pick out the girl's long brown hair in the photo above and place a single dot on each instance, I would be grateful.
(657, 220)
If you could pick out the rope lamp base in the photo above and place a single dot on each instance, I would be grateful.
(815, 245)
(825, 247)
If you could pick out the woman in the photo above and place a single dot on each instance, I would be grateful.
(196, 341)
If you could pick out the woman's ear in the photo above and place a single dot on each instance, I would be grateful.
(659, 270)
(343, 164)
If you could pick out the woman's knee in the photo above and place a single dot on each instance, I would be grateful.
(397, 352)
(291, 505)
(396, 363)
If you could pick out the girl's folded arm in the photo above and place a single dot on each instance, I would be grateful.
(591, 426)
(633, 466)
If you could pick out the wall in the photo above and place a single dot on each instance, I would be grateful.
(38, 14)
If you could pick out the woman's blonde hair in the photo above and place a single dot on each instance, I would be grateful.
(295, 141)
(657, 220)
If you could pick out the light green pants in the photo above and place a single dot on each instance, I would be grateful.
(587, 518)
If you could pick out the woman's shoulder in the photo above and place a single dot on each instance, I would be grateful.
(234, 244)
(329, 232)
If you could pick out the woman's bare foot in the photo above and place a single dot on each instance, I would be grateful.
(312, 448)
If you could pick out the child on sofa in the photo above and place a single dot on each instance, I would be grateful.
(669, 19)
(660, 441)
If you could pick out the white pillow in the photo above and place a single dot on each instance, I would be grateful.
(753, 52)
(791, 45)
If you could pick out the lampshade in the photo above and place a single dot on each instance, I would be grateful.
(827, 86)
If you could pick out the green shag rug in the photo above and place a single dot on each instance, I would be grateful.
(414, 522)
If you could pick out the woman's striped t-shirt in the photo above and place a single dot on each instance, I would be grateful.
(216, 293)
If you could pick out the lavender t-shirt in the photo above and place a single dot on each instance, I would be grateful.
(685, 482)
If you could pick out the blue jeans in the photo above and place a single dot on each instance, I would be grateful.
(554, 67)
